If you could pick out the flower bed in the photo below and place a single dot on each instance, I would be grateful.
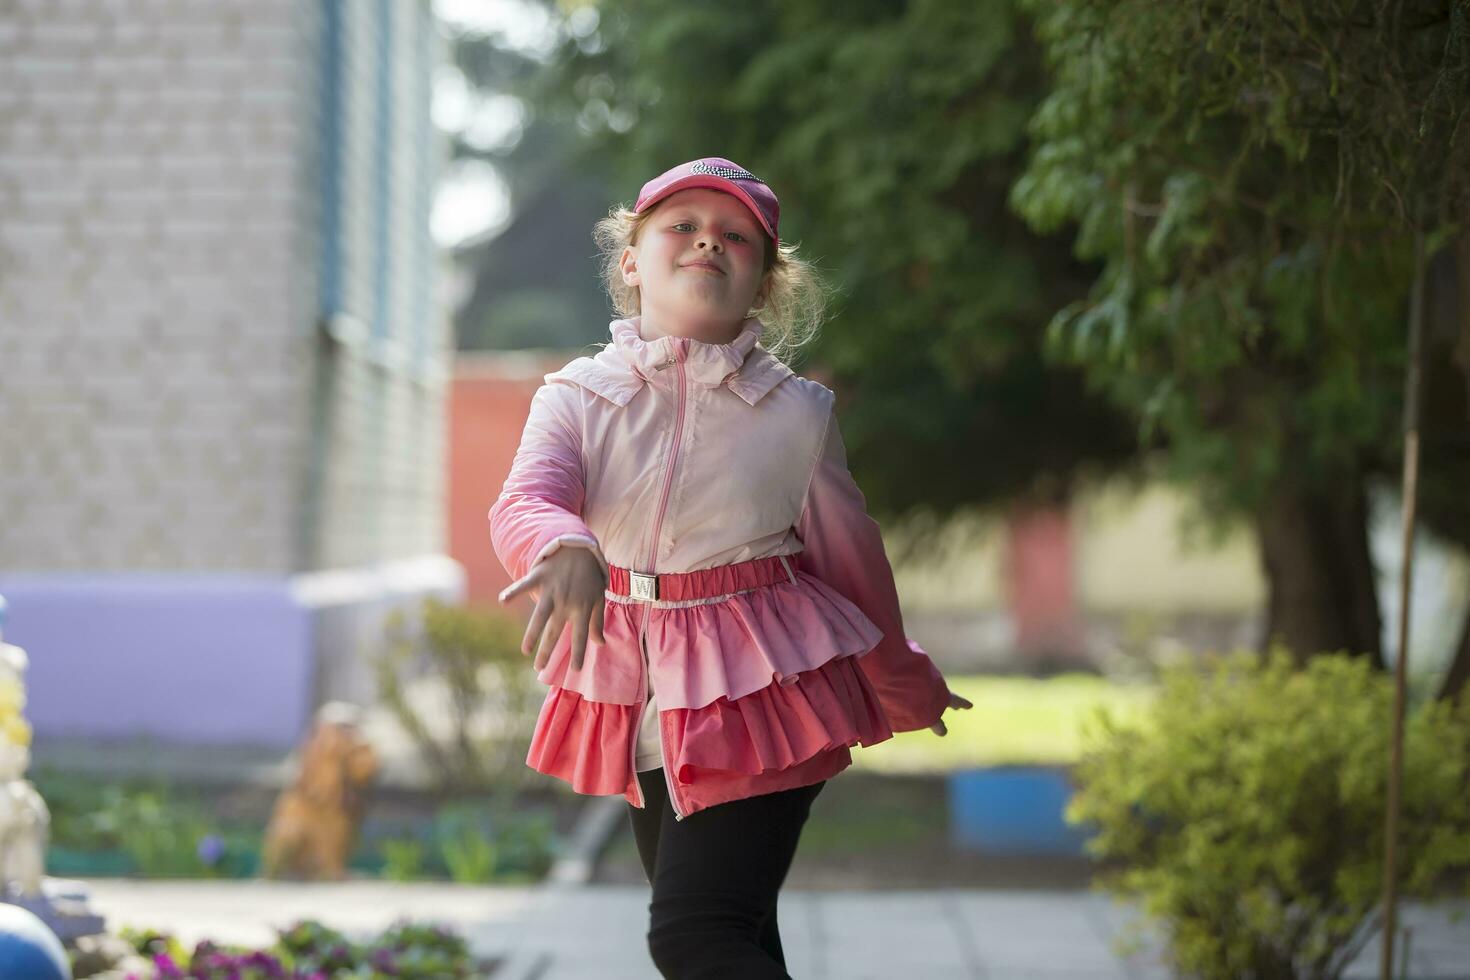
(306, 950)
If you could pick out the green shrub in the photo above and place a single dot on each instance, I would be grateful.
(525, 844)
(466, 843)
(477, 840)
(159, 833)
(458, 684)
(403, 860)
(1246, 811)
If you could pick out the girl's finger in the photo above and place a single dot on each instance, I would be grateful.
(527, 581)
(549, 638)
(597, 613)
(534, 628)
(579, 639)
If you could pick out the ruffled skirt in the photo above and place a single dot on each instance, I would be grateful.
(756, 683)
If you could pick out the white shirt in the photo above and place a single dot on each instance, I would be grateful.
(648, 755)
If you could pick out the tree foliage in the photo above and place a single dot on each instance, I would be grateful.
(1252, 177)
(892, 133)
(1250, 174)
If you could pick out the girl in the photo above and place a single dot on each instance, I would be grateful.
(715, 614)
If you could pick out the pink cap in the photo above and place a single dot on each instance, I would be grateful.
(721, 175)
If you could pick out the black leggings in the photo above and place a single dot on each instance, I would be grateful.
(715, 877)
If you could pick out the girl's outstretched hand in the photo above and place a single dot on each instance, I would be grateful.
(955, 701)
(569, 585)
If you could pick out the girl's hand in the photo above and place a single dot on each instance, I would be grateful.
(955, 701)
(569, 585)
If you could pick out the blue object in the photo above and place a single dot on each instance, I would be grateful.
(1013, 810)
(29, 950)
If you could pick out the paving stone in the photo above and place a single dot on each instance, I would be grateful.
(598, 931)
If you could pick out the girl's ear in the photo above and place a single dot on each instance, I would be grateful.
(628, 263)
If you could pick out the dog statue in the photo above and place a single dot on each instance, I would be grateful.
(315, 821)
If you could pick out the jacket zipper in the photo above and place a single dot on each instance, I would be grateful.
(658, 520)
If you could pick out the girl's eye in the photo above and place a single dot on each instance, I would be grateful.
(735, 236)
(683, 224)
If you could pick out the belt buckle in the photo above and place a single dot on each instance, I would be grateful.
(643, 586)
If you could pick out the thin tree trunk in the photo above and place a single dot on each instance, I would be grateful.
(1314, 549)
(1413, 383)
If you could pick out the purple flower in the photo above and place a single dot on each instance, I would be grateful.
(166, 966)
(211, 848)
(263, 961)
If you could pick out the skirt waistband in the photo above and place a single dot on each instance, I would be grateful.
(701, 584)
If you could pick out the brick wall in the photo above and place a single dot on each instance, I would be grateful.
(160, 286)
(381, 412)
(222, 360)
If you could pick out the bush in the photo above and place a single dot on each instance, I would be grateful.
(475, 842)
(466, 843)
(1246, 811)
(150, 828)
(472, 722)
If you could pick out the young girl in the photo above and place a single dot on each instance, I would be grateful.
(715, 614)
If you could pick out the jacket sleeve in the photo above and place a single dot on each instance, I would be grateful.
(540, 508)
(844, 549)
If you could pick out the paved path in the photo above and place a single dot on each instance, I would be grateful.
(597, 931)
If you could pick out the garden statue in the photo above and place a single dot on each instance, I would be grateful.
(24, 819)
(315, 821)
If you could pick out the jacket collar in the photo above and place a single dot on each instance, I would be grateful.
(704, 363)
(625, 365)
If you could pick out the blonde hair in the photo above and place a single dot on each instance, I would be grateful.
(796, 300)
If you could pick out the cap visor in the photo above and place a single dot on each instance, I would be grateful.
(714, 183)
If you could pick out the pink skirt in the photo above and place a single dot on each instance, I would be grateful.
(755, 669)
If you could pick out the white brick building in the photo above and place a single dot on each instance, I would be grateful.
(222, 362)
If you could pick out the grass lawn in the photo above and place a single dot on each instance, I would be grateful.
(1015, 721)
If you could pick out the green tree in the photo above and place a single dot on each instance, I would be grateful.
(534, 283)
(892, 132)
(1252, 177)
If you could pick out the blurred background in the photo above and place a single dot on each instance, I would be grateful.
(1119, 360)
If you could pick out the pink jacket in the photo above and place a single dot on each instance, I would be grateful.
(674, 456)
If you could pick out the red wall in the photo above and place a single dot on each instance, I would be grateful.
(1041, 583)
(489, 399)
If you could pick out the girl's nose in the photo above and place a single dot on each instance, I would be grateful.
(711, 243)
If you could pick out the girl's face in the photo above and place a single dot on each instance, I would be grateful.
(698, 264)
